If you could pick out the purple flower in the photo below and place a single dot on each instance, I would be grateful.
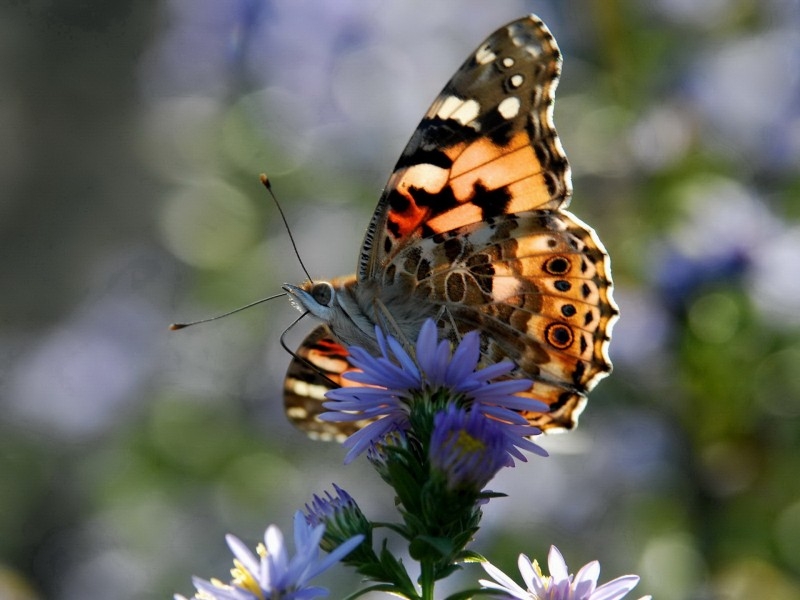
(559, 585)
(273, 574)
(469, 449)
(394, 384)
(341, 516)
(329, 507)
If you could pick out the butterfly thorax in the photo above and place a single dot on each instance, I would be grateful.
(353, 308)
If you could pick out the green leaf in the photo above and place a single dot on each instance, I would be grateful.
(389, 589)
(490, 495)
(425, 547)
(396, 573)
(468, 556)
(406, 484)
(467, 594)
(400, 530)
(445, 571)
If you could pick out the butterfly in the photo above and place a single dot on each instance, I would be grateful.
(471, 231)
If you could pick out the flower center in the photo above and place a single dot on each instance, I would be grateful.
(467, 444)
(244, 579)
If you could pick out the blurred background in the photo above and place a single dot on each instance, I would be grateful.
(131, 139)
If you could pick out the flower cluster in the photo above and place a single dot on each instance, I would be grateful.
(439, 429)
(399, 391)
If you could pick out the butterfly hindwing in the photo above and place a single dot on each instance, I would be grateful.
(536, 285)
(319, 366)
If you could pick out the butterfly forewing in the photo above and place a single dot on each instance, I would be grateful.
(486, 147)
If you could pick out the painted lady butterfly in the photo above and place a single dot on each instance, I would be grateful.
(471, 231)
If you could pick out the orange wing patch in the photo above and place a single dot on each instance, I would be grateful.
(493, 165)
(486, 179)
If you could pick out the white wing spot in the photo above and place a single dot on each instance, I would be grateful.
(509, 108)
(309, 390)
(533, 51)
(467, 112)
(516, 80)
(485, 55)
(504, 288)
(425, 176)
(508, 62)
(447, 107)
(298, 413)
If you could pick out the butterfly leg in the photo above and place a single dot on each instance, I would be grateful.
(391, 327)
(446, 315)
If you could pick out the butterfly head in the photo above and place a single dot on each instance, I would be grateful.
(317, 298)
(335, 304)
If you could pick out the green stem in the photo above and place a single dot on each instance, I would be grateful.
(426, 580)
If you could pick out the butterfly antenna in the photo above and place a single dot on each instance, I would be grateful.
(176, 326)
(265, 181)
(296, 356)
(285, 331)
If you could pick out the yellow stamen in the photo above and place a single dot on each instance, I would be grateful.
(244, 579)
(546, 581)
(468, 444)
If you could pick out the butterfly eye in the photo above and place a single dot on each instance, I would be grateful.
(322, 293)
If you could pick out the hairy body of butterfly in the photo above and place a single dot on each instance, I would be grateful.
(472, 231)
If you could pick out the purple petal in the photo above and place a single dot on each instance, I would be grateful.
(557, 565)
(617, 588)
(465, 358)
(496, 370)
(426, 342)
(586, 579)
